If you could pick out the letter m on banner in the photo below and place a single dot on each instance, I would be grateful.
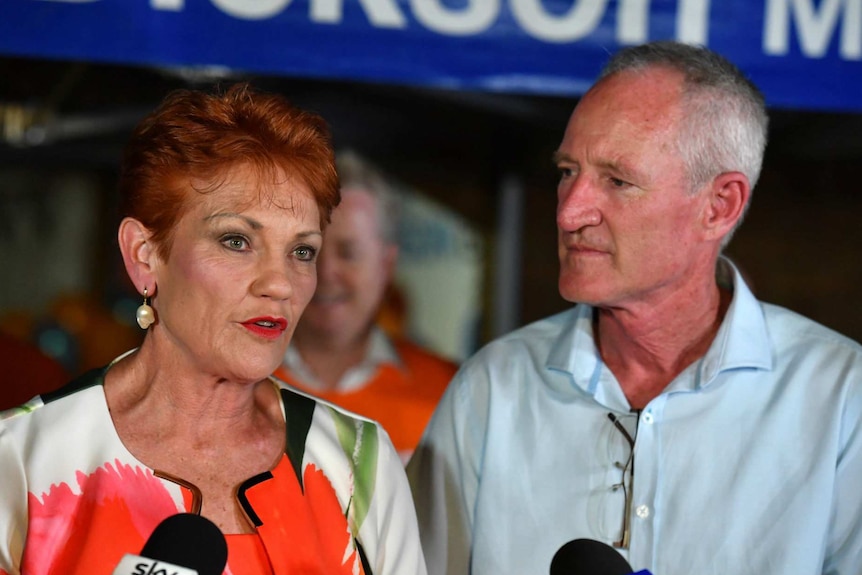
(814, 26)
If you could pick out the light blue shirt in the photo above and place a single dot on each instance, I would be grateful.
(749, 462)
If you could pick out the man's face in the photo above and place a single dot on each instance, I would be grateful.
(628, 224)
(354, 268)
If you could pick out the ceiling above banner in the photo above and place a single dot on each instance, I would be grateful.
(804, 54)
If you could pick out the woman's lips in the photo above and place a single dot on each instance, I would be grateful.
(267, 327)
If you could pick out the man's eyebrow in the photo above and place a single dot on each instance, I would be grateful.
(559, 156)
(618, 168)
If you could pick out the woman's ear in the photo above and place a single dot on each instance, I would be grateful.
(139, 254)
(728, 196)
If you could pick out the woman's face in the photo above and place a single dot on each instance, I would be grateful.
(241, 271)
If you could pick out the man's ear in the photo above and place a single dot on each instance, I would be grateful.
(728, 194)
(139, 254)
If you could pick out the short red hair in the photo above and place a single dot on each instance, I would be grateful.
(194, 135)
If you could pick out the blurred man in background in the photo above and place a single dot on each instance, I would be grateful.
(339, 351)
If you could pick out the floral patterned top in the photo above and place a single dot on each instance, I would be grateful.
(75, 500)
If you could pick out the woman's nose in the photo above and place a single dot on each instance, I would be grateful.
(273, 279)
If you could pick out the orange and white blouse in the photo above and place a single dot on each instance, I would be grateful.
(75, 500)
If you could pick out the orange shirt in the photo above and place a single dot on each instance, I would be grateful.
(246, 555)
(401, 398)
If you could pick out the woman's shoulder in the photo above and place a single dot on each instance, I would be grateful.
(336, 439)
(297, 401)
(69, 393)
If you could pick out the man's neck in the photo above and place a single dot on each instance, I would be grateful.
(329, 360)
(646, 349)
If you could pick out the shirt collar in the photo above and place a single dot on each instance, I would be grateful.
(742, 341)
(380, 351)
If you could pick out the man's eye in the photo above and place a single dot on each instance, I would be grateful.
(618, 183)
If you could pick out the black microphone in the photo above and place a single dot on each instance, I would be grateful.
(588, 557)
(182, 544)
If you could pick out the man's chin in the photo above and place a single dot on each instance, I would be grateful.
(581, 292)
(320, 324)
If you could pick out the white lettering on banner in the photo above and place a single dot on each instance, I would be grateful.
(815, 29)
(168, 5)
(814, 21)
(581, 19)
(381, 13)
(692, 21)
(475, 18)
(633, 21)
(257, 10)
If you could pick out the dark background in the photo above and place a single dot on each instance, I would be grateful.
(798, 245)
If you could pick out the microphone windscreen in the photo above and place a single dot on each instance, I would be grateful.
(188, 540)
(140, 565)
(588, 557)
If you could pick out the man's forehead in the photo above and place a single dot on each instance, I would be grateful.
(635, 87)
(630, 103)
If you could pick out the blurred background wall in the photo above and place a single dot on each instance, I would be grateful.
(454, 155)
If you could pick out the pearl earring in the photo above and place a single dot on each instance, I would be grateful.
(145, 314)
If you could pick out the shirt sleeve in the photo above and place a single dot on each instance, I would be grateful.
(13, 505)
(399, 549)
(444, 472)
(844, 548)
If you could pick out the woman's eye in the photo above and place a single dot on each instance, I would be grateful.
(237, 243)
(306, 253)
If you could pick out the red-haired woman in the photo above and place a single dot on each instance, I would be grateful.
(224, 199)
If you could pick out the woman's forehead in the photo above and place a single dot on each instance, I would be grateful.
(246, 186)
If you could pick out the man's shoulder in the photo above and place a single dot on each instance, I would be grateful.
(531, 343)
(788, 328)
(541, 331)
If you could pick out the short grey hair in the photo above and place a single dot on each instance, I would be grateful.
(726, 121)
(354, 171)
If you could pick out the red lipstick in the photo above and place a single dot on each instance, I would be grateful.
(266, 327)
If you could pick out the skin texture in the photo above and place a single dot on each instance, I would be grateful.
(193, 400)
(633, 239)
(354, 267)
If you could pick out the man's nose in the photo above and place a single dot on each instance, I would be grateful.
(577, 205)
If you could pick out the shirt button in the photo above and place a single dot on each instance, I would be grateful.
(648, 418)
(642, 511)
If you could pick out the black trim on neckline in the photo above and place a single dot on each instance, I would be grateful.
(243, 500)
(298, 412)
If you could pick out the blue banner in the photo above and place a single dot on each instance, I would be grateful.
(802, 53)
